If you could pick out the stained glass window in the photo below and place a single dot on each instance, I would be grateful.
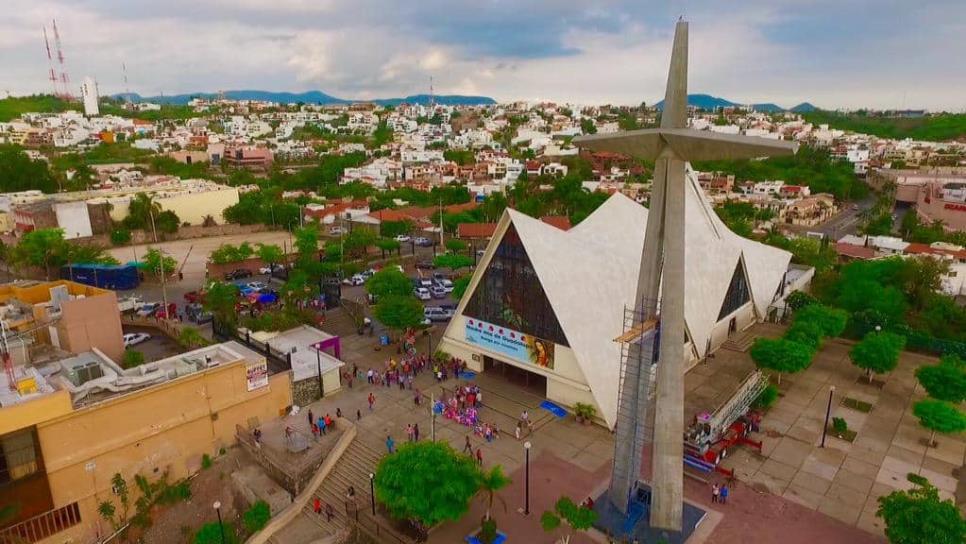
(510, 294)
(738, 293)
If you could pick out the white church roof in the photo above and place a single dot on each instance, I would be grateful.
(590, 274)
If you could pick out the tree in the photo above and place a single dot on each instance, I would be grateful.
(387, 244)
(877, 352)
(157, 262)
(781, 355)
(805, 332)
(256, 517)
(939, 416)
(946, 380)
(490, 483)
(167, 222)
(391, 229)
(270, 254)
(389, 282)
(211, 533)
(42, 248)
(358, 241)
(18, 172)
(451, 261)
(399, 312)
(220, 299)
(460, 285)
(831, 321)
(307, 244)
(922, 276)
(579, 518)
(426, 481)
(455, 246)
(228, 253)
(140, 210)
(493, 206)
(918, 516)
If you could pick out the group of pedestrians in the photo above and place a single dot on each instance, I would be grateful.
(719, 494)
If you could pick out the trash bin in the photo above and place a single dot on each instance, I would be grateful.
(384, 340)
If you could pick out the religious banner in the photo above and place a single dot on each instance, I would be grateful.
(257, 374)
(514, 344)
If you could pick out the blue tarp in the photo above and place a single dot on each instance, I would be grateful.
(553, 408)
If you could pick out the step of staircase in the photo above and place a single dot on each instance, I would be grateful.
(740, 342)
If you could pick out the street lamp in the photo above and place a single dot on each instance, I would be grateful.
(318, 364)
(526, 496)
(372, 492)
(221, 526)
(878, 329)
(828, 412)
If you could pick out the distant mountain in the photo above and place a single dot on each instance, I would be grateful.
(711, 103)
(804, 107)
(309, 97)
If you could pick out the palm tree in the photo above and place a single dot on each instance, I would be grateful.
(490, 483)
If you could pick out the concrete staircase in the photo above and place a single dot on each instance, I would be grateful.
(352, 469)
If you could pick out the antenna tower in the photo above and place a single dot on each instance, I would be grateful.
(50, 64)
(432, 95)
(64, 78)
(127, 89)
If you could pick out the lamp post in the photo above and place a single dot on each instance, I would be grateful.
(526, 494)
(828, 412)
(318, 364)
(878, 329)
(372, 492)
(221, 526)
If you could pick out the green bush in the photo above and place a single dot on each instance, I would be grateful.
(210, 533)
(807, 333)
(171, 494)
(132, 358)
(487, 531)
(766, 398)
(256, 517)
(839, 425)
(119, 237)
(206, 461)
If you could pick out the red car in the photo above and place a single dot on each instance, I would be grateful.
(192, 297)
(171, 312)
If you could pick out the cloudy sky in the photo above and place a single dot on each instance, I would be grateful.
(834, 53)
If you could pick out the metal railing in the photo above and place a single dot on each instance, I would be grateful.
(42, 526)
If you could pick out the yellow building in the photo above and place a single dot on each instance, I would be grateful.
(66, 431)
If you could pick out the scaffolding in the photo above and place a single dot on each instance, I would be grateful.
(634, 430)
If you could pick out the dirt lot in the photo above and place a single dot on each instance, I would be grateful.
(180, 522)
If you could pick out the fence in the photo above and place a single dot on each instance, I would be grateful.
(278, 361)
(42, 526)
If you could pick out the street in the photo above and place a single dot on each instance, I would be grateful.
(847, 221)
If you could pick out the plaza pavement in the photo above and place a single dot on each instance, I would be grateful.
(843, 479)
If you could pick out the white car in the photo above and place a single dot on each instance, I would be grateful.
(357, 279)
(422, 293)
(403, 238)
(445, 284)
(270, 269)
(135, 338)
(147, 309)
(424, 282)
(255, 285)
(335, 231)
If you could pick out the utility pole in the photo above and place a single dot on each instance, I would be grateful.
(441, 223)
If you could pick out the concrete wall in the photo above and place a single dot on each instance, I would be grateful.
(163, 428)
(190, 207)
(74, 218)
(92, 322)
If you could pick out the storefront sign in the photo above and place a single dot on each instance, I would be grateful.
(957, 207)
(257, 375)
(514, 344)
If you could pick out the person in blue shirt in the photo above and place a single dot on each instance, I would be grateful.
(390, 445)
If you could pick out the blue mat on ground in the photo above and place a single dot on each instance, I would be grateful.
(467, 375)
(553, 408)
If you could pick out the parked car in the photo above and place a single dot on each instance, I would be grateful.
(479, 253)
(148, 309)
(422, 293)
(193, 296)
(272, 268)
(437, 291)
(238, 274)
(255, 285)
(335, 231)
(424, 282)
(357, 279)
(197, 313)
(170, 312)
(444, 284)
(403, 238)
(422, 241)
(425, 265)
(449, 309)
(135, 338)
(435, 313)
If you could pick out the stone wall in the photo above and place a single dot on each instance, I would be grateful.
(306, 391)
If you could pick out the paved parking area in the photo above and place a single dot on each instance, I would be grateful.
(160, 346)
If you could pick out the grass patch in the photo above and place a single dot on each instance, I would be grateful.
(848, 434)
(855, 404)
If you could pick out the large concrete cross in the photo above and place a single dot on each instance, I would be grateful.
(670, 146)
